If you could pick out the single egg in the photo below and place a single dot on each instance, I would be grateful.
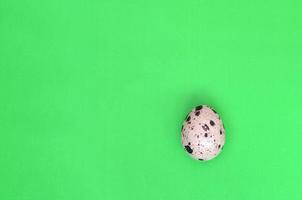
(202, 133)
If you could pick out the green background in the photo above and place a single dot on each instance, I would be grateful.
(93, 95)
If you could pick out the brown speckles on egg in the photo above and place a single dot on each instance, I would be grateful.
(205, 127)
(213, 110)
(199, 107)
(188, 118)
(189, 150)
(212, 123)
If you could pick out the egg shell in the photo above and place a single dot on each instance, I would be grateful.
(203, 133)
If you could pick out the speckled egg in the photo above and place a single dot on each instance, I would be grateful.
(203, 133)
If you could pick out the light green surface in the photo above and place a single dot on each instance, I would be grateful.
(93, 94)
